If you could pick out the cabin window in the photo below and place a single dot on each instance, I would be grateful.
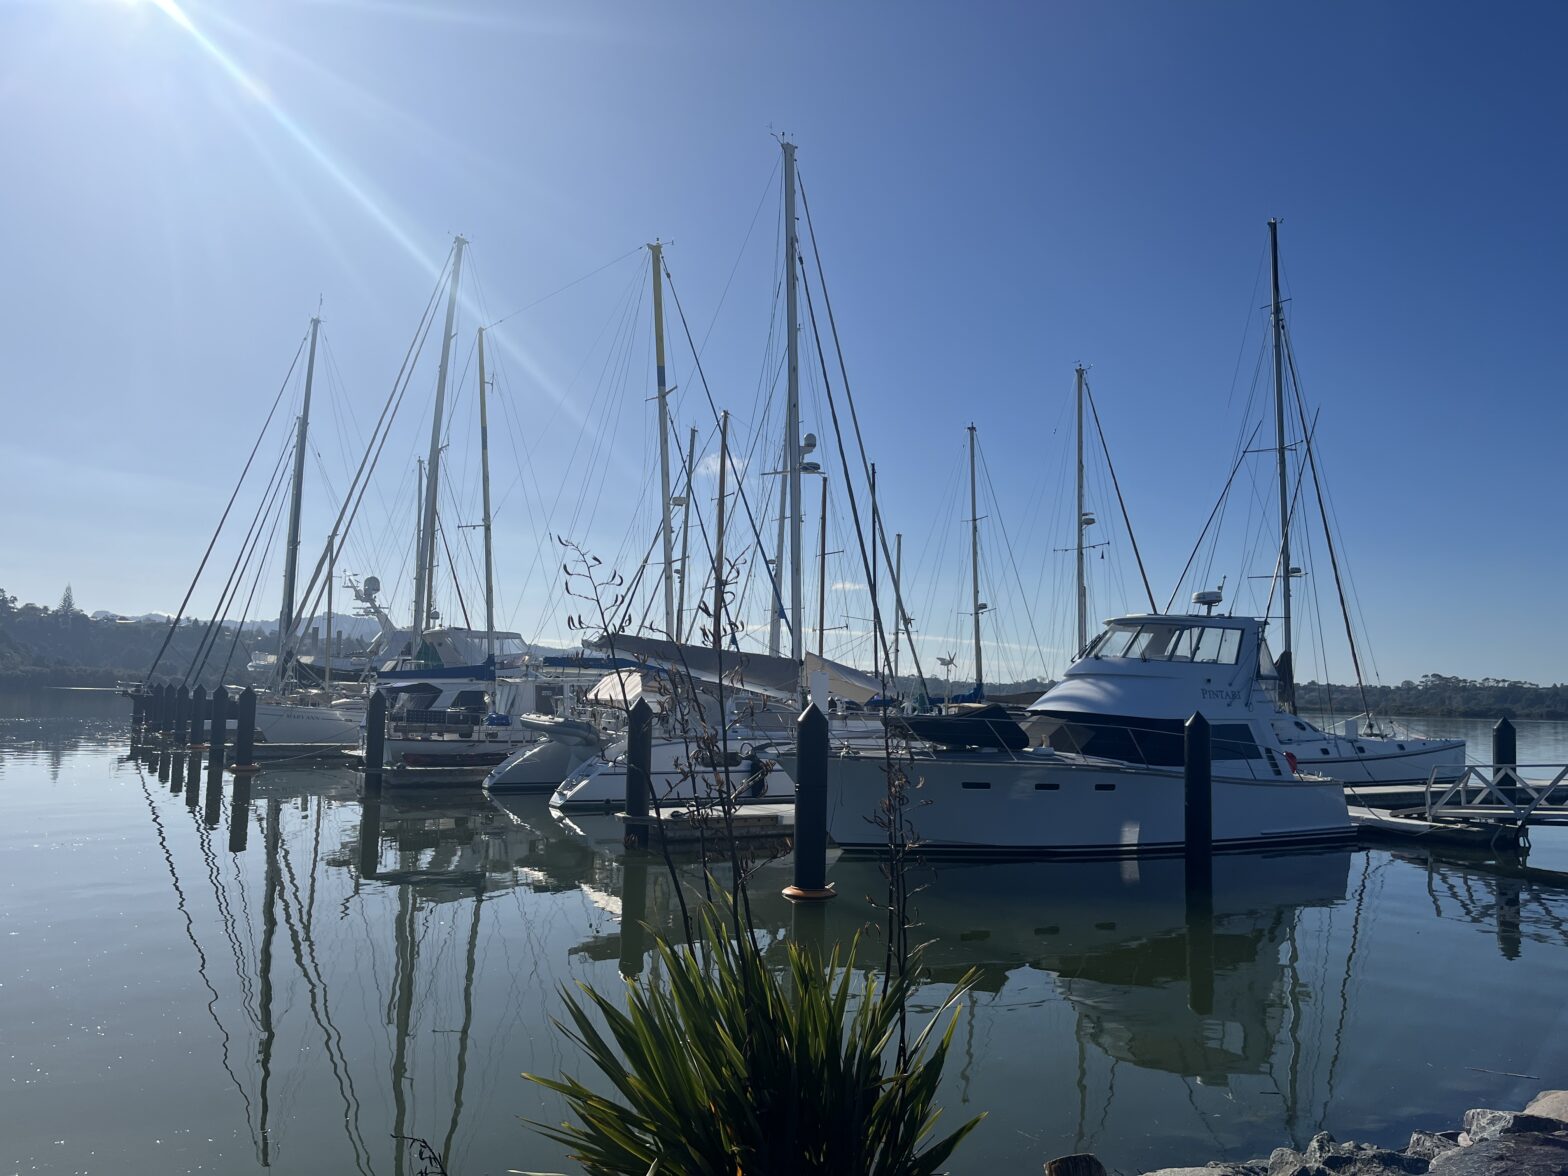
(1233, 741)
(471, 700)
(977, 783)
(1210, 644)
(1401, 746)
(1105, 787)
(1322, 751)
(1046, 786)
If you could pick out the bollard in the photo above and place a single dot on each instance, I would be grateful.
(634, 912)
(639, 764)
(1198, 861)
(182, 716)
(220, 730)
(811, 808)
(199, 719)
(239, 814)
(245, 734)
(166, 714)
(177, 779)
(163, 767)
(1505, 762)
(375, 740)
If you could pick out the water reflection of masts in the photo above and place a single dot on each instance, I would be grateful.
(302, 939)
(468, 1024)
(269, 930)
(404, 982)
(201, 956)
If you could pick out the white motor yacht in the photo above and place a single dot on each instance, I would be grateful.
(1096, 768)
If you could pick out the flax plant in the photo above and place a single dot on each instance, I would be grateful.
(731, 1067)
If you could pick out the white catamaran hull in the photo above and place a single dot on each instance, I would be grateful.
(1047, 805)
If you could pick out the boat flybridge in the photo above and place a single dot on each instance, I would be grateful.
(1096, 766)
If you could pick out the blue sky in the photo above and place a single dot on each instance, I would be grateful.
(1001, 191)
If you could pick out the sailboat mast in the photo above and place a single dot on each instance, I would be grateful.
(822, 576)
(680, 615)
(1083, 590)
(1287, 660)
(484, 475)
(656, 251)
(974, 561)
(291, 558)
(427, 526)
(718, 534)
(792, 414)
(332, 560)
(898, 621)
(776, 585)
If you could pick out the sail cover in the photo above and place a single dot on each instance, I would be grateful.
(759, 672)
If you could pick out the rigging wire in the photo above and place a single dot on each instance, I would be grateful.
(1116, 484)
(178, 616)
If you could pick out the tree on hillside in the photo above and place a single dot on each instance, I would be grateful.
(67, 603)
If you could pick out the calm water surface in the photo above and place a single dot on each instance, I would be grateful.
(192, 985)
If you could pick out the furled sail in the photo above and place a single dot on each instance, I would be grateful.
(759, 672)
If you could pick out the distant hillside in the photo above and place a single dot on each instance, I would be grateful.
(1437, 695)
(63, 646)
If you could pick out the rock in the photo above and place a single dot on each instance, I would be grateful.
(1081, 1164)
(1324, 1156)
(1428, 1145)
(1214, 1168)
(1517, 1155)
(1482, 1124)
(1551, 1104)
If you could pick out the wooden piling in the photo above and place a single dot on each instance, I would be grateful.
(199, 719)
(1505, 759)
(165, 713)
(220, 730)
(811, 809)
(639, 780)
(138, 716)
(1198, 858)
(245, 735)
(182, 715)
(375, 740)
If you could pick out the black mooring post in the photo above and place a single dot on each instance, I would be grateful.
(165, 713)
(164, 763)
(1505, 756)
(182, 715)
(634, 913)
(1198, 862)
(375, 740)
(811, 808)
(138, 716)
(177, 779)
(199, 719)
(193, 779)
(245, 734)
(239, 814)
(639, 767)
(220, 730)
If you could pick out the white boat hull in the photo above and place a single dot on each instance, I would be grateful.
(298, 724)
(1040, 804)
(601, 782)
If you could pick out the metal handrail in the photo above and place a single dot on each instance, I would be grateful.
(1503, 783)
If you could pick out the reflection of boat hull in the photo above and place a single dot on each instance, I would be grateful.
(1047, 805)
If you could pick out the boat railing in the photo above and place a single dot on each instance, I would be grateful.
(1500, 789)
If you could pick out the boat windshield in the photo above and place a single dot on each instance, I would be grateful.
(1169, 641)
